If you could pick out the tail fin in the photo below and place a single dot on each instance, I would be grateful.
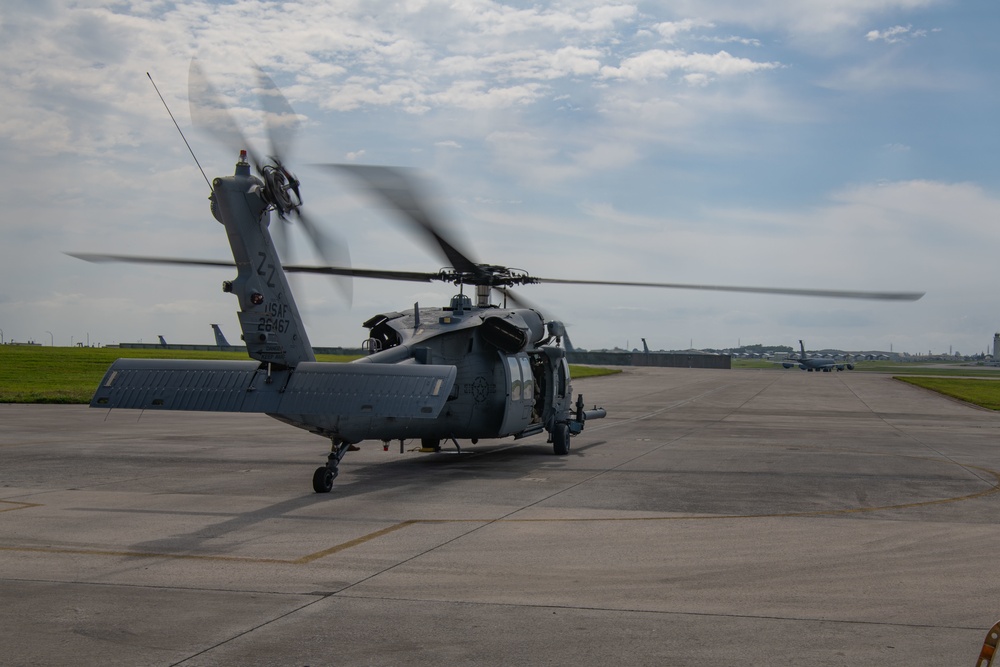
(645, 348)
(803, 348)
(163, 341)
(220, 340)
(272, 327)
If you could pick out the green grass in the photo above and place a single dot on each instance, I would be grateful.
(577, 372)
(894, 367)
(37, 374)
(984, 393)
(755, 363)
(901, 368)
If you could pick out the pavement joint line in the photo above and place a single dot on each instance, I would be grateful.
(17, 505)
(657, 612)
(910, 436)
(343, 546)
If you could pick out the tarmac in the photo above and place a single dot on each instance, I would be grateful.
(757, 517)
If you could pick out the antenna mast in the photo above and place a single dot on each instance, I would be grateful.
(190, 150)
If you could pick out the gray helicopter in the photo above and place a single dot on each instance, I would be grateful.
(469, 370)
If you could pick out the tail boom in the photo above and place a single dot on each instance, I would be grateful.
(272, 327)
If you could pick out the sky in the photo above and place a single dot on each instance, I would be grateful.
(840, 144)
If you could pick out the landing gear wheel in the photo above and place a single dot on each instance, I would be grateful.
(323, 479)
(430, 444)
(560, 439)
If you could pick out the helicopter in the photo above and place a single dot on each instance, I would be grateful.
(470, 370)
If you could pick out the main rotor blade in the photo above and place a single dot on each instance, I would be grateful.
(415, 276)
(210, 113)
(377, 274)
(99, 258)
(787, 291)
(517, 300)
(397, 188)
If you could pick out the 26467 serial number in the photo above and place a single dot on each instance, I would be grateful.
(276, 318)
(272, 324)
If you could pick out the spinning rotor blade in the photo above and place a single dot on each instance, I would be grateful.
(280, 119)
(414, 276)
(397, 188)
(839, 294)
(100, 258)
(517, 300)
(346, 271)
(376, 274)
(210, 113)
(554, 325)
(333, 253)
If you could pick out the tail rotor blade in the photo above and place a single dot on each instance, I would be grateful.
(333, 252)
(280, 119)
(210, 113)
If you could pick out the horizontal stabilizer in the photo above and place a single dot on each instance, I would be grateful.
(311, 388)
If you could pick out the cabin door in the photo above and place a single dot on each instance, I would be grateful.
(520, 387)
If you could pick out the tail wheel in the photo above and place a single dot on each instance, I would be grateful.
(323, 479)
(560, 439)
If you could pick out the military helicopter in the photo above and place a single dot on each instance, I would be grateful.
(469, 370)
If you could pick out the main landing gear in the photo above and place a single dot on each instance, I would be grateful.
(560, 439)
(324, 475)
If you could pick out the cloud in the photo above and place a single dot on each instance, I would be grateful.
(670, 30)
(657, 63)
(494, 18)
(895, 34)
(794, 17)
(478, 95)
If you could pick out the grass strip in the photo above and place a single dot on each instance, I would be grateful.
(984, 393)
(39, 374)
(577, 372)
(895, 368)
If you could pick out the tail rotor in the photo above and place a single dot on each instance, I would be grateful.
(282, 190)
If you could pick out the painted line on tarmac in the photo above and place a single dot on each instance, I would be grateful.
(16, 505)
(318, 555)
(215, 558)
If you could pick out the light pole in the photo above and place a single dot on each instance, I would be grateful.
(52, 340)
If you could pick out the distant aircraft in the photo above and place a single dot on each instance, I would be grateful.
(568, 344)
(825, 364)
(163, 341)
(645, 348)
(220, 340)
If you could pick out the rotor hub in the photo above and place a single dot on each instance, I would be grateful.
(281, 188)
(488, 275)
